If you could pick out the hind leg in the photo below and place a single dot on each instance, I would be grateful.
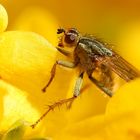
(64, 101)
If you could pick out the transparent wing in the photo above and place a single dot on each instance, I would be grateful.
(121, 67)
(106, 77)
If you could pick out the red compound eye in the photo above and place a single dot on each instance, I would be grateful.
(70, 38)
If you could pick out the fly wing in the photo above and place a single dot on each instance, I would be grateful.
(121, 67)
(105, 76)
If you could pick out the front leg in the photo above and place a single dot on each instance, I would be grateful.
(62, 63)
(64, 52)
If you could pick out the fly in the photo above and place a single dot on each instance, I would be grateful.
(89, 54)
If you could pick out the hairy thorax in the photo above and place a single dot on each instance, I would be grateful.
(86, 61)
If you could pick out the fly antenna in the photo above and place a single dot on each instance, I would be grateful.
(60, 30)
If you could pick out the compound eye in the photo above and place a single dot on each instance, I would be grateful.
(70, 38)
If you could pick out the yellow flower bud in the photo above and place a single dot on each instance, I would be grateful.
(3, 18)
(26, 59)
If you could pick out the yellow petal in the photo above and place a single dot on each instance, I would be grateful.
(120, 127)
(123, 113)
(3, 18)
(39, 138)
(14, 106)
(125, 99)
(26, 59)
(83, 130)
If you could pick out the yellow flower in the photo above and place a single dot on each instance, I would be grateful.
(3, 19)
(26, 60)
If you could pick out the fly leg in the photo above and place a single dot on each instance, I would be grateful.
(64, 101)
(64, 52)
(78, 84)
(77, 88)
(62, 63)
(100, 86)
(52, 107)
